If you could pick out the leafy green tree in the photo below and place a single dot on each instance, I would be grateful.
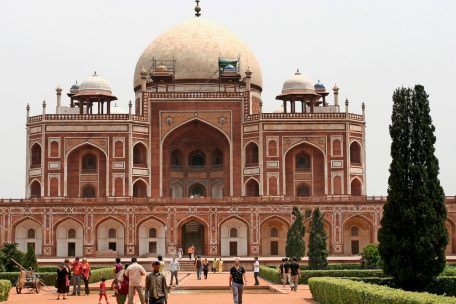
(296, 246)
(413, 236)
(370, 257)
(318, 254)
(10, 251)
(30, 259)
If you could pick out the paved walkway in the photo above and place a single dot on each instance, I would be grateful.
(213, 290)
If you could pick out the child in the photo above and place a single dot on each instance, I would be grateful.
(103, 291)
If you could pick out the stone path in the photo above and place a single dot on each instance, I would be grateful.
(213, 290)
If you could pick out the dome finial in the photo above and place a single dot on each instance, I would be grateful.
(197, 8)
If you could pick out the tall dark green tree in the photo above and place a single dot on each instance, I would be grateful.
(318, 254)
(413, 236)
(30, 259)
(296, 246)
(10, 251)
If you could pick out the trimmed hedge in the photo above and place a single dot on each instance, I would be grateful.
(5, 286)
(273, 275)
(49, 278)
(343, 291)
(360, 273)
(335, 266)
(270, 274)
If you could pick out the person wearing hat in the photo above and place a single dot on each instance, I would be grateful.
(156, 290)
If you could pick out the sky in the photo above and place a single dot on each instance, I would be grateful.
(367, 48)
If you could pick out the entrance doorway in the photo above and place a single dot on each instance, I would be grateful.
(71, 249)
(193, 234)
(233, 249)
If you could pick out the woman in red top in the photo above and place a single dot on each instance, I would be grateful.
(86, 275)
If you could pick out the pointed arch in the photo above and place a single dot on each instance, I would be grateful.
(251, 154)
(234, 235)
(105, 241)
(140, 188)
(323, 188)
(356, 186)
(273, 245)
(35, 188)
(21, 234)
(64, 245)
(151, 244)
(252, 187)
(188, 238)
(35, 153)
(355, 152)
(353, 244)
(140, 153)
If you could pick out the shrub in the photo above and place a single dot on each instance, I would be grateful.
(343, 291)
(5, 287)
(307, 274)
(29, 260)
(335, 266)
(97, 274)
(370, 257)
(270, 274)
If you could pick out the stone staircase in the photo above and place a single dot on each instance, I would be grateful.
(186, 264)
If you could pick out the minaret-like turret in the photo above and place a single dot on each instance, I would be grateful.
(59, 99)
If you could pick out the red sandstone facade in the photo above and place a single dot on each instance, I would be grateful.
(195, 162)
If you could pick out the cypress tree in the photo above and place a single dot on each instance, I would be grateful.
(296, 246)
(30, 259)
(413, 234)
(318, 254)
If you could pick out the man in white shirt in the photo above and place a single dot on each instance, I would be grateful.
(256, 270)
(134, 273)
(174, 267)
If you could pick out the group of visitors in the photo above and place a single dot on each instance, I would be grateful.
(290, 273)
(76, 270)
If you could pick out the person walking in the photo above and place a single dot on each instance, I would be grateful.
(62, 280)
(134, 272)
(237, 281)
(214, 265)
(162, 264)
(174, 267)
(282, 272)
(198, 267)
(295, 272)
(205, 268)
(118, 267)
(189, 252)
(67, 266)
(220, 265)
(180, 253)
(256, 270)
(86, 276)
(286, 270)
(156, 290)
(193, 252)
(122, 286)
(102, 292)
(77, 274)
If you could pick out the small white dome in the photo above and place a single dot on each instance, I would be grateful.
(95, 84)
(297, 84)
(117, 110)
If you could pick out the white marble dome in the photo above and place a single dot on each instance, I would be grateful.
(196, 45)
(298, 84)
(95, 84)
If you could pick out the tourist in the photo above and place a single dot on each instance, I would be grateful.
(103, 291)
(214, 265)
(122, 286)
(76, 267)
(86, 276)
(134, 272)
(174, 267)
(294, 273)
(198, 267)
(180, 253)
(117, 268)
(189, 252)
(282, 272)
(62, 281)
(256, 270)
(237, 281)
(193, 252)
(220, 265)
(156, 290)
(67, 266)
(286, 270)
(162, 264)
(205, 268)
